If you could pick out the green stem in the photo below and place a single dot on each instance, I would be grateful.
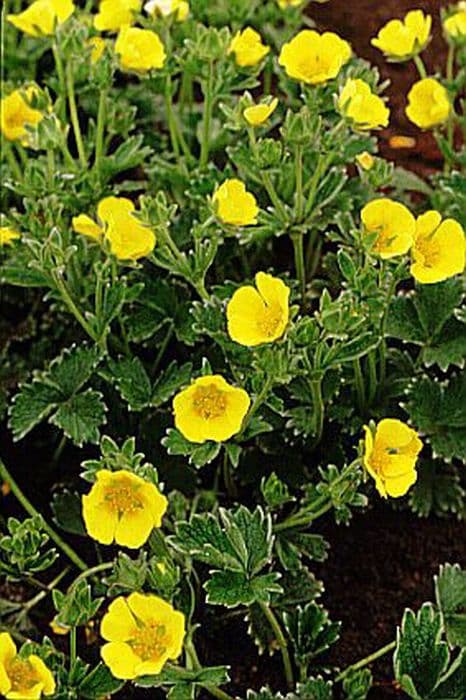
(420, 66)
(299, 183)
(191, 653)
(261, 396)
(29, 508)
(61, 108)
(30, 604)
(170, 118)
(73, 647)
(298, 249)
(366, 661)
(275, 625)
(50, 167)
(92, 571)
(207, 118)
(62, 288)
(383, 326)
(74, 114)
(230, 485)
(372, 366)
(318, 406)
(12, 162)
(359, 382)
(163, 347)
(100, 130)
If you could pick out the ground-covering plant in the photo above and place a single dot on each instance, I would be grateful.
(244, 320)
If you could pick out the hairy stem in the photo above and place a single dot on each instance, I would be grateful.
(275, 625)
(366, 661)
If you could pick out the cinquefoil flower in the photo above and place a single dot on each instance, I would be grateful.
(365, 160)
(8, 235)
(179, 8)
(143, 632)
(41, 17)
(428, 104)
(439, 248)
(358, 103)
(123, 508)
(314, 58)
(234, 205)
(455, 25)
(400, 40)
(393, 224)
(140, 50)
(128, 238)
(257, 316)
(248, 48)
(22, 677)
(289, 3)
(256, 115)
(390, 456)
(16, 114)
(115, 14)
(210, 409)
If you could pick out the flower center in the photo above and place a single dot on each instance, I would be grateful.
(428, 250)
(209, 402)
(270, 320)
(15, 119)
(383, 240)
(150, 641)
(21, 674)
(122, 497)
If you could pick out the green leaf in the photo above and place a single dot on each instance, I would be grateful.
(81, 417)
(426, 317)
(354, 349)
(450, 594)
(34, 402)
(128, 574)
(311, 631)
(275, 491)
(132, 382)
(199, 455)
(214, 675)
(437, 411)
(358, 684)
(98, 683)
(453, 684)
(54, 390)
(233, 588)
(206, 541)
(67, 511)
(77, 606)
(421, 657)
(170, 381)
(437, 489)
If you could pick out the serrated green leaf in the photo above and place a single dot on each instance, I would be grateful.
(98, 683)
(311, 631)
(132, 382)
(450, 593)
(170, 381)
(437, 411)
(437, 489)
(233, 588)
(73, 368)
(81, 417)
(421, 657)
(214, 675)
(358, 684)
(205, 540)
(30, 406)
(453, 684)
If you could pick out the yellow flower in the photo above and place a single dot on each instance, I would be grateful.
(22, 678)
(394, 225)
(234, 205)
(400, 40)
(179, 8)
(114, 14)
(258, 114)
(365, 109)
(248, 48)
(428, 104)
(128, 238)
(210, 409)
(439, 249)
(314, 58)
(143, 632)
(16, 114)
(58, 628)
(40, 17)
(257, 316)
(289, 3)
(390, 456)
(8, 235)
(365, 160)
(97, 47)
(140, 50)
(455, 25)
(122, 507)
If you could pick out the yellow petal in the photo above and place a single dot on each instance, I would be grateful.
(87, 226)
(7, 648)
(134, 527)
(118, 624)
(121, 660)
(44, 674)
(400, 485)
